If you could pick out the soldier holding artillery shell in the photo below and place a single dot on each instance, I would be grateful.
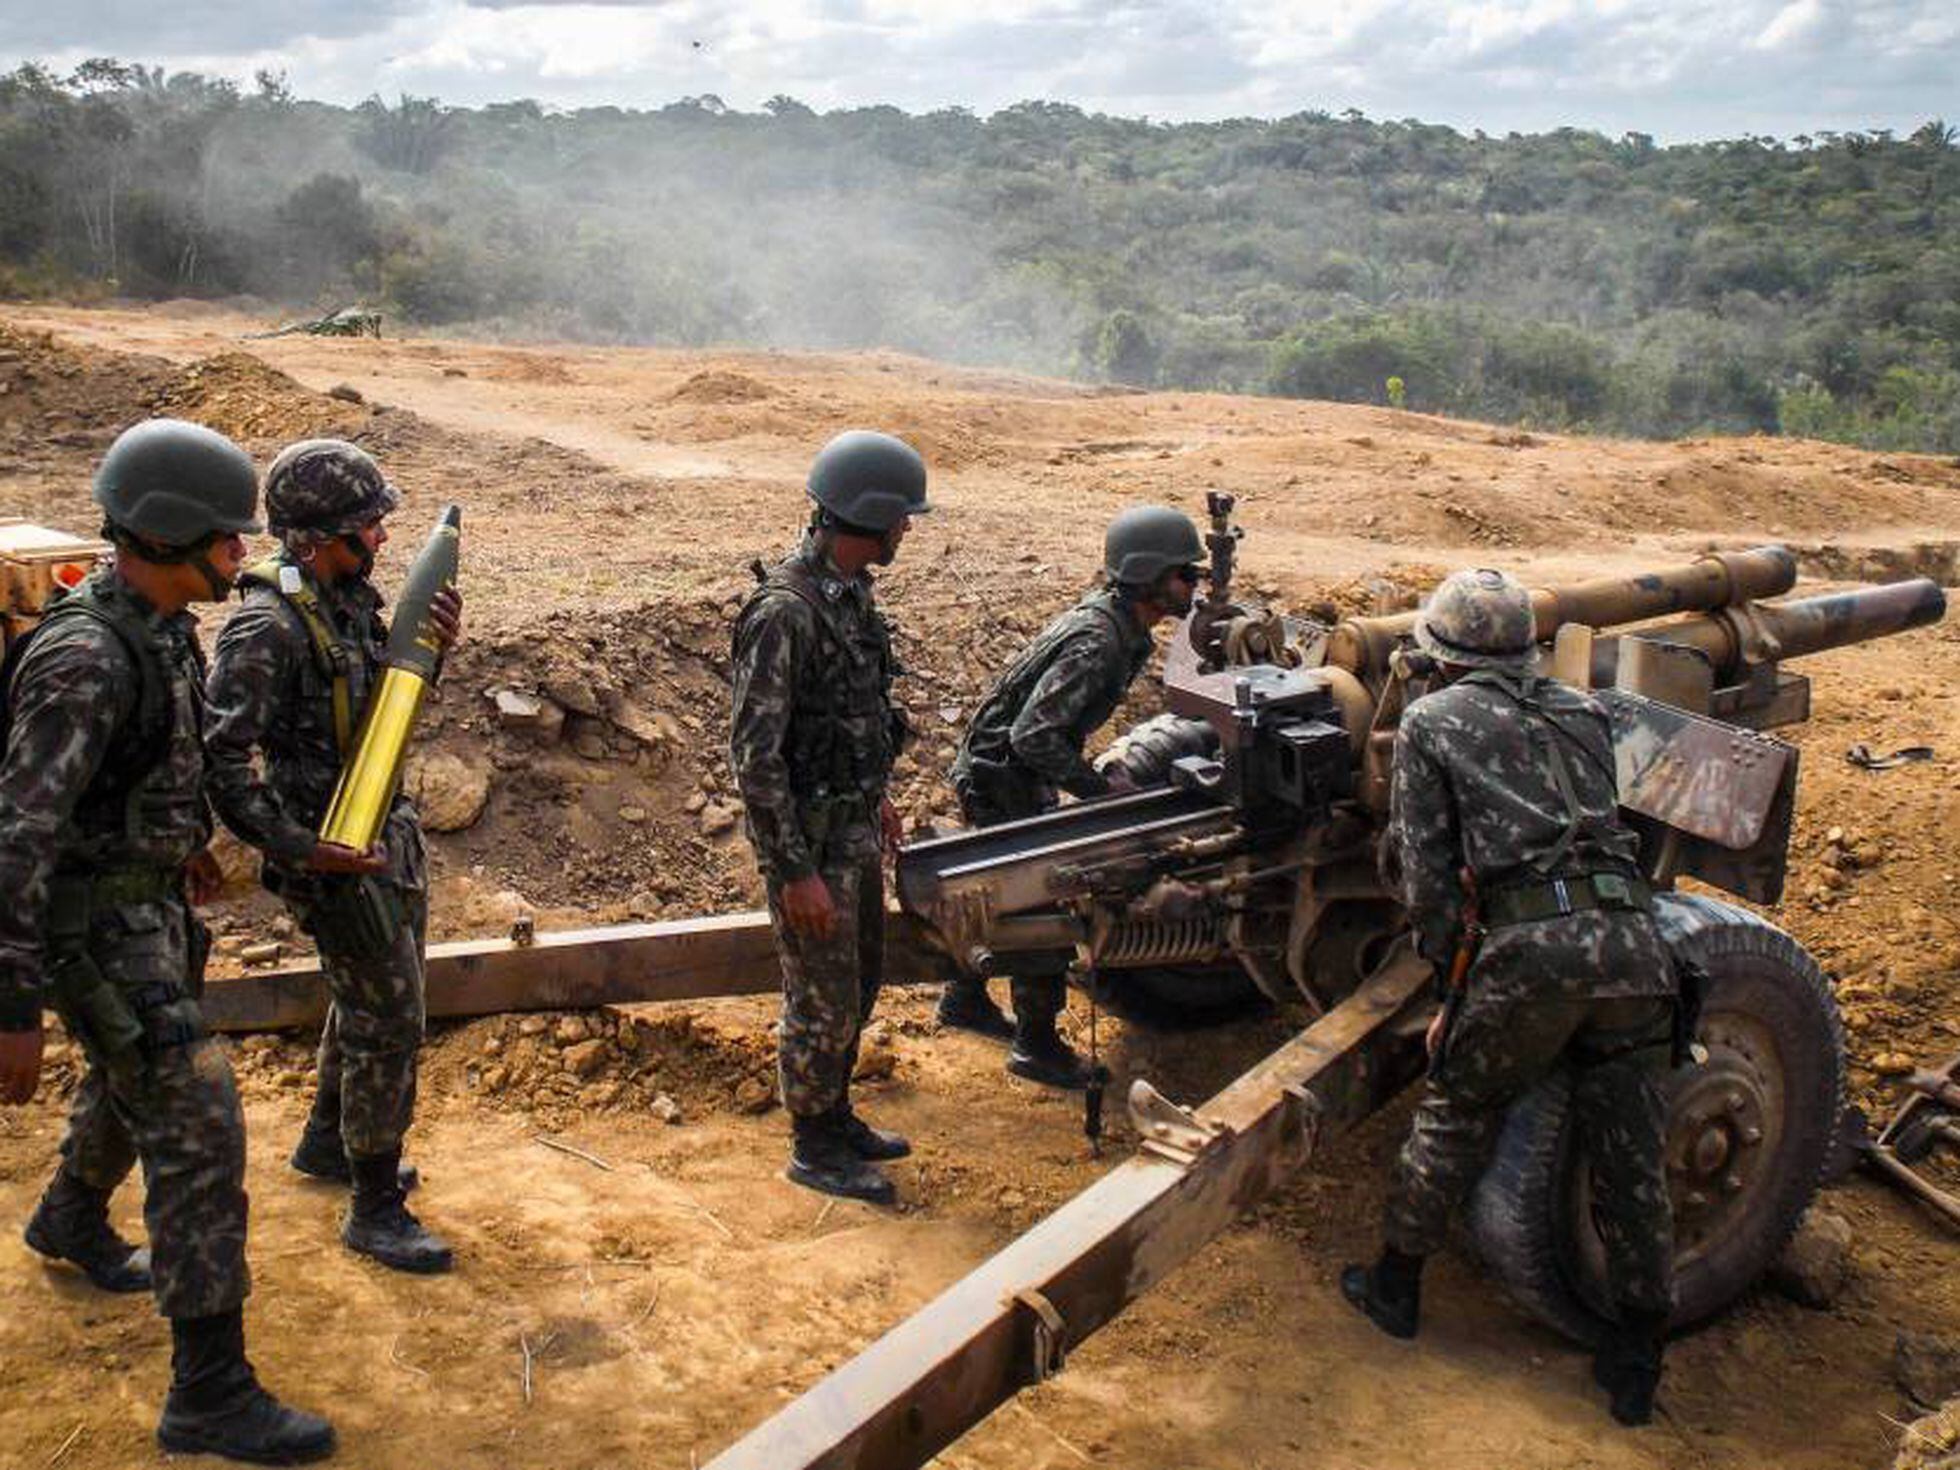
(296, 669)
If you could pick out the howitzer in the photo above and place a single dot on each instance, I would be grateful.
(1249, 866)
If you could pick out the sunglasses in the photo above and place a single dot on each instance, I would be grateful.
(1188, 574)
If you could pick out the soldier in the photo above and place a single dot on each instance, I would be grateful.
(103, 826)
(1504, 787)
(293, 670)
(1026, 741)
(813, 736)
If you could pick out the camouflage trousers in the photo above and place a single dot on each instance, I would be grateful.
(829, 985)
(177, 1112)
(1037, 980)
(1498, 1048)
(371, 1040)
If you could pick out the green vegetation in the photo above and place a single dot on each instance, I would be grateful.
(1564, 280)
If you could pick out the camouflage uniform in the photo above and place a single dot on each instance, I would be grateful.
(98, 814)
(1477, 782)
(269, 694)
(812, 740)
(1027, 738)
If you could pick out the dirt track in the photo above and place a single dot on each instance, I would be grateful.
(613, 500)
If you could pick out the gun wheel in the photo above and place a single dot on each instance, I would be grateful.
(1749, 1134)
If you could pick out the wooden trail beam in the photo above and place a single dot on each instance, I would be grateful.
(572, 969)
(1009, 1322)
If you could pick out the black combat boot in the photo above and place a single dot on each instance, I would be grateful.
(216, 1406)
(822, 1159)
(320, 1154)
(72, 1224)
(1628, 1365)
(867, 1142)
(379, 1224)
(1388, 1293)
(965, 1006)
(1040, 1055)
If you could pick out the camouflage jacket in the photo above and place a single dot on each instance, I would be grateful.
(1031, 728)
(84, 788)
(813, 731)
(1475, 786)
(269, 696)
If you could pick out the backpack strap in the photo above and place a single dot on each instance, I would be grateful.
(147, 737)
(328, 654)
(1550, 736)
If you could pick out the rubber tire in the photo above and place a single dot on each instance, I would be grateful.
(1182, 998)
(1524, 1216)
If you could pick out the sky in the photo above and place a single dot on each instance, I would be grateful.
(1676, 69)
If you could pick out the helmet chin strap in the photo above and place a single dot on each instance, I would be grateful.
(219, 584)
(363, 554)
(194, 556)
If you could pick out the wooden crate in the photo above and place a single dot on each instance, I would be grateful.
(34, 561)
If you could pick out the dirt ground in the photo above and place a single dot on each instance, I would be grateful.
(672, 1290)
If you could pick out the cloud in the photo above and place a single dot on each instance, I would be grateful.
(155, 32)
(1678, 69)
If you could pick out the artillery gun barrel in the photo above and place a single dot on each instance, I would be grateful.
(1762, 633)
(1720, 579)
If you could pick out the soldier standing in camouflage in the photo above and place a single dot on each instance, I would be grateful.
(1026, 741)
(292, 673)
(103, 832)
(1509, 776)
(812, 739)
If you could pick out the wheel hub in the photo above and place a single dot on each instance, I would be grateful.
(1718, 1126)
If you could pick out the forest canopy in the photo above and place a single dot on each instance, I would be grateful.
(1565, 280)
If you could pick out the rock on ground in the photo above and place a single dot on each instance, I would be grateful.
(448, 791)
(1927, 1367)
(1817, 1262)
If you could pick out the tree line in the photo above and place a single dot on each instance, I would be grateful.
(1564, 280)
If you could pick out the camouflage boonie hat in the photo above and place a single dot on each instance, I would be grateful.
(326, 486)
(1481, 619)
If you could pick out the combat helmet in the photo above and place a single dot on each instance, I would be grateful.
(326, 487)
(177, 484)
(1479, 619)
(869, 481)
(1146, 541)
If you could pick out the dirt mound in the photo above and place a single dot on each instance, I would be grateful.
(56, 396)
(240, 395)
(1939, 560)
(1395, 588)
(716, 386)
(530, 367)
(558, 1066)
